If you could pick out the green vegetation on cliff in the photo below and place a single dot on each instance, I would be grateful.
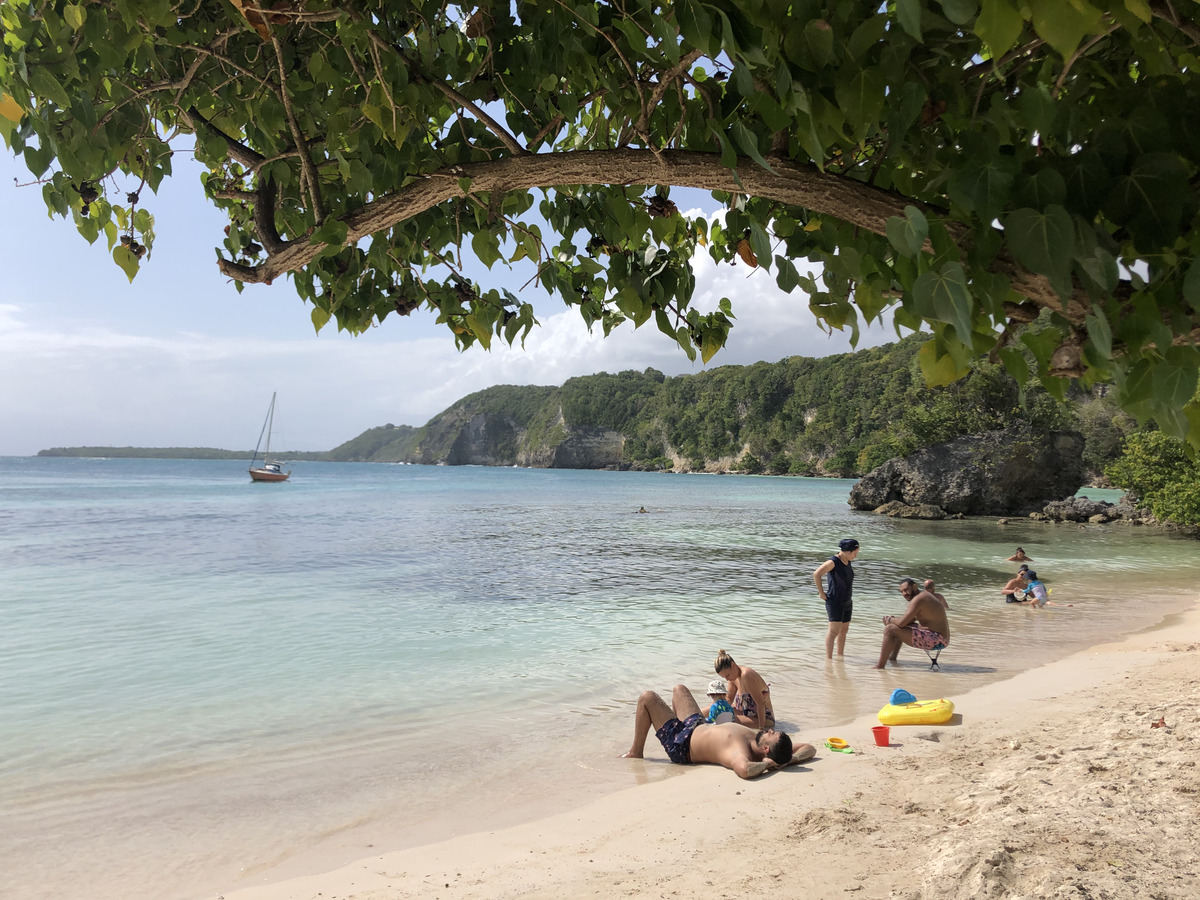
(385, 443)
(838, 415)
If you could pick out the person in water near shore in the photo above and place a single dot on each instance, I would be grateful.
(719, 712)
(1016, 583)
(929, 587)
(838, 596)
(1037, 593)
(688, 739)
(923, 625)
(1020, 556)
(751, 694)
(940, 598)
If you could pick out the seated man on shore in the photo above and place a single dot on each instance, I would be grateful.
(688, 739)
(923, 625)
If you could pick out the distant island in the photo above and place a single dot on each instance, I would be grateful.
(836, 416)
(172, 453)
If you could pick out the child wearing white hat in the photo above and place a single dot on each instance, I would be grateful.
(720, 711)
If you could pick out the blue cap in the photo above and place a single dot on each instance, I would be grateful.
(847, 544)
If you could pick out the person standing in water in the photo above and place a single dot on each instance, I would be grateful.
(838, 595)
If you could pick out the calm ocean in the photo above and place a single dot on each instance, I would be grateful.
(205, 681)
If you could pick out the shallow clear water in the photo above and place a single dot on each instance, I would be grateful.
(235, 676)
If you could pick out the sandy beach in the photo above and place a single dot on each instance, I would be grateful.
(1077, 779)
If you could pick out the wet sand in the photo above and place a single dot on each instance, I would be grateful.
(1074, 779)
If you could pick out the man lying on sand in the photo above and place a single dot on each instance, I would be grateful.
(688, 739)
(923, 625)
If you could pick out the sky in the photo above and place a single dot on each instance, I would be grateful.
(179, 358)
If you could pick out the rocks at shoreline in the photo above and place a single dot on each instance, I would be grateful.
(1095, 512)
(1001, 473)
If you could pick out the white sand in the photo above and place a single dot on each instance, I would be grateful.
(1053, 784)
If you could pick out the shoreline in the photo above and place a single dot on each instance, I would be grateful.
(1050, 783)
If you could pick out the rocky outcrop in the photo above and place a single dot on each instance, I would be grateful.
(1096, 512)
(998, 473)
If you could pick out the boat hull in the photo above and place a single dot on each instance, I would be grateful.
(267, 475)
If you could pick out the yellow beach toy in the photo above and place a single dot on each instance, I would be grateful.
(922, 712)
(837, 745)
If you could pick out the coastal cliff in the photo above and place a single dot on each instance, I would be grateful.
(837, 416)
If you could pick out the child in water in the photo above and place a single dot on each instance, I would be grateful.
(720, 711)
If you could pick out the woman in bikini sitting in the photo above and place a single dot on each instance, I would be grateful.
(750, 695)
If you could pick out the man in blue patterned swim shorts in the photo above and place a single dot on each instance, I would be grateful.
(688, 738)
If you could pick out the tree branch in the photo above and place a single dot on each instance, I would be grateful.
(850, 201)
(307, 168)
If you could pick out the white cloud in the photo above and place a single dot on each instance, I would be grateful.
(91, 385)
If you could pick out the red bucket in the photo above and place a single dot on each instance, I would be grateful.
(881, 736)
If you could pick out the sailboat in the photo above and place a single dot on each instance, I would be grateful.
(270, 470)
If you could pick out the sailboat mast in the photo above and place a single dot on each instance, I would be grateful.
(270, 425)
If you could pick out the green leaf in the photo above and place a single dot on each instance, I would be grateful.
(999, 25)
(1100, 332)
(1191, 286)
(1173, 385)
(1141, 9)
(908, 235)
(1041, 241)
(333, 233)
(867, 35)
(870, 300)
(960, 12)
(75, 16)
(1150, 199)
(786, 275)
(1063, 23)
(481, 330)
(320, 317)
(711, 340)
(1101, 267)
(945, 297)
(1015, 364)
(125, 258)
(939, 369)
(861, 99)
(749, 144)
(984, 188)
(909, 14)
(1042, 189)
(46, 85)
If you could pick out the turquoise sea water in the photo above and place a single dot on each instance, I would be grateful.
(203, 680)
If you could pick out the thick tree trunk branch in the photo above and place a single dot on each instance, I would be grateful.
(850, 201)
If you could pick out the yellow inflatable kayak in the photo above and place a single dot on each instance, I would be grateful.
(923, 712)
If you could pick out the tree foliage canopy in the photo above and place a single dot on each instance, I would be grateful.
(969, 165)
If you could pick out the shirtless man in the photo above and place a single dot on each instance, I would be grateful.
(688, 739)
(1016, 583)
(940, 598)
(923, 625)
(1020, 556)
